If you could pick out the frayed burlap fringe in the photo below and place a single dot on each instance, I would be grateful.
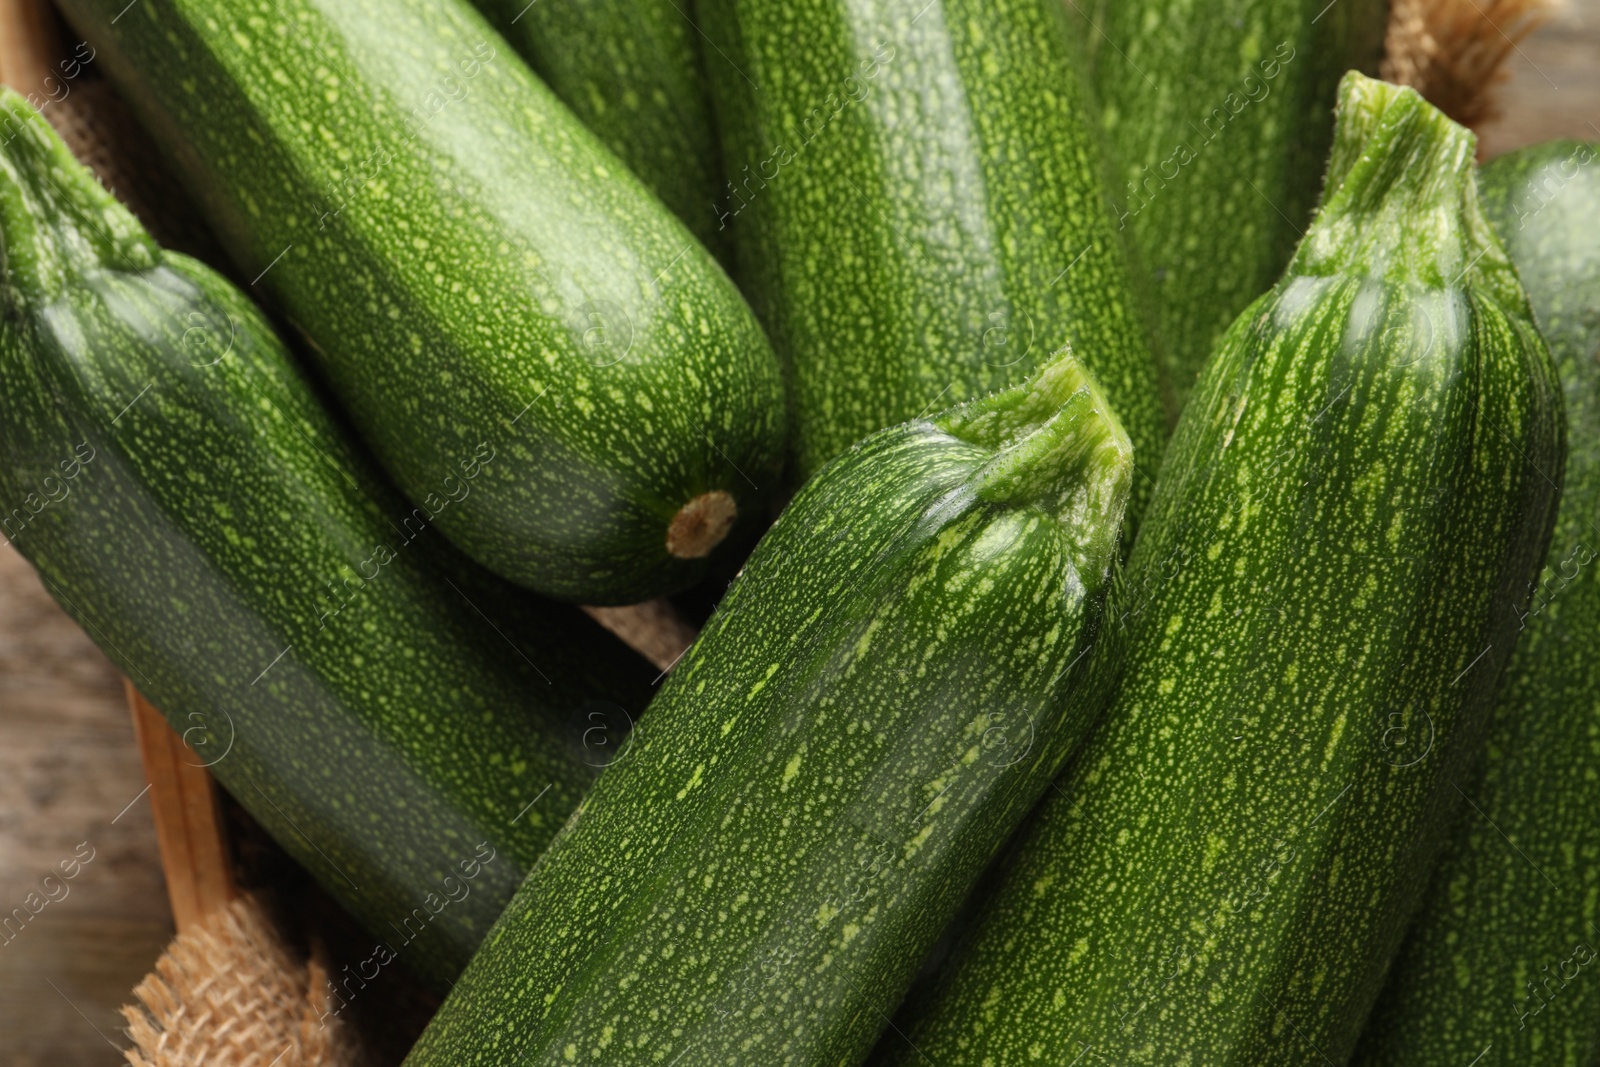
(1451, 51)
(231, 994)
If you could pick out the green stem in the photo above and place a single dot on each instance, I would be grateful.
(56, 221)
(1400, 201)
(1058, 446)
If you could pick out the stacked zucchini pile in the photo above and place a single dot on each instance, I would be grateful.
(1023, 735)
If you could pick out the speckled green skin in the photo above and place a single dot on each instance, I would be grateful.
(943, 233)
(1350, 508)
(881, 697)
(1513, 905)
(632, 71)
(1216, 165)
(184, 496)
(471, 265)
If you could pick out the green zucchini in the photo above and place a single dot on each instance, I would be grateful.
(1350, 508)
(1491, 968)
(470, 264)
(882, 695)
(412, 730)
(917, 210)
(632, 71)
(1217, 118)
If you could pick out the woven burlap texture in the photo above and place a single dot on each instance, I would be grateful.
(231, 994)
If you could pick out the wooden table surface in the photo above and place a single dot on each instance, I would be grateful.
(70, 785)
(70, 780)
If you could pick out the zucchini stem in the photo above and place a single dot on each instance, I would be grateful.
(56, 221)
(701, 524)
(1400, 199)
(1059, 446)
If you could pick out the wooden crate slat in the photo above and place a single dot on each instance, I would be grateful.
(189, 825)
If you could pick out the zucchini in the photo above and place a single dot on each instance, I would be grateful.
(1491, 966)
(1350, 508)
(470, 264)
(917, 211)
(183, 495)
(1217, 119)
(632, 71)
(882, 695)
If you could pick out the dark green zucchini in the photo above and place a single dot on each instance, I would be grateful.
(1494, 968)
(470, 264)
(410, 729)
(882, 695)
(917, 210)
(1350, 508)
(1217, 117)
(632, 71)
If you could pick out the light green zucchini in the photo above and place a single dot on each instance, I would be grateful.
(918, 212)
(1351, 506)
(881, 697)
(1217, 116)
(1496, 969)
(632, 71)
(470, 264)
(412, 730)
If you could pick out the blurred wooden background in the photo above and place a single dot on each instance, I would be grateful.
(1554, 86)
(69, 774)
(70, 779)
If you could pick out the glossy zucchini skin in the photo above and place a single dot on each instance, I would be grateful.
(1314, 617)
(1217, 117)
(469, 264)
(1491, 967)
(185, 497)
(918, 212)
(890, 683)
(632, 71)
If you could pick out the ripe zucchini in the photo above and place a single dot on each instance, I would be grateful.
(882, 695)
(183, 495)
(917, 210)
(1217, 117)
(470, 265)
(1350, 508)
(632, 71)
(1490, 969)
